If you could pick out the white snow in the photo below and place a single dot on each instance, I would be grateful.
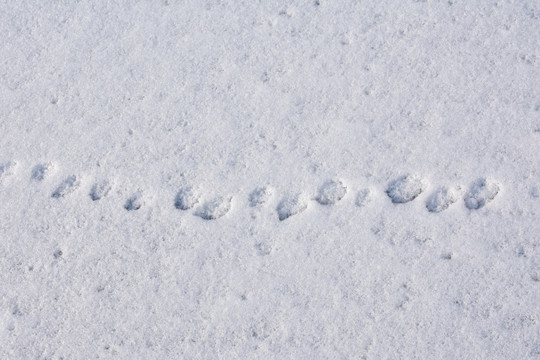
(226, 179)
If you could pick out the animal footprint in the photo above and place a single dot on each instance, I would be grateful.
(260, 196)
(292, 205)
(186, 198)
(100, 190)
(481, 193)
(363, 198)
(442, 199)
(331, 192)
(40, 171)
(70, 184)
(215, 208)
(7, 169)
(135, 202)
(405, 189)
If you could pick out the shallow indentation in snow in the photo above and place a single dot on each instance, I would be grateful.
(405, 188)
(481, 192)
(215, 208)
(135, 202)
(69, 185)
(41, 171)
(260, 196)
(441, 199)
(291, 205)
(186, 198)
(363, 197)
(331, 192)
(100, 190)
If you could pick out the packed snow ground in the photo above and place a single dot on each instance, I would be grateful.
(290, 180)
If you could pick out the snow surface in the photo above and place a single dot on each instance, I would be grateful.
(109, 110)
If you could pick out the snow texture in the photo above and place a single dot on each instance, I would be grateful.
(189, 147)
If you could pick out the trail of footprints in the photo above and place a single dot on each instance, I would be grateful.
(401, 190)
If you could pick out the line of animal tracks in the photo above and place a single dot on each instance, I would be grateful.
(189, 198)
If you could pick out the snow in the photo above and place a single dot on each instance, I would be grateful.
(257, 180)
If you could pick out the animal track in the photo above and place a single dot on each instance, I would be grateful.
(135, 202)
(100, 190)
(260, 196)
(481, 193)
(70, 184)
(535, 192)
(331, 192)
(405, 189)
(215, 208)
(363, 198)
(291, 205)
(442, 199)
(7, 169)
(401, 190)
(186, 198)
(40, 171)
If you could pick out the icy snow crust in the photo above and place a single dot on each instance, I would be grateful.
(269, 180)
